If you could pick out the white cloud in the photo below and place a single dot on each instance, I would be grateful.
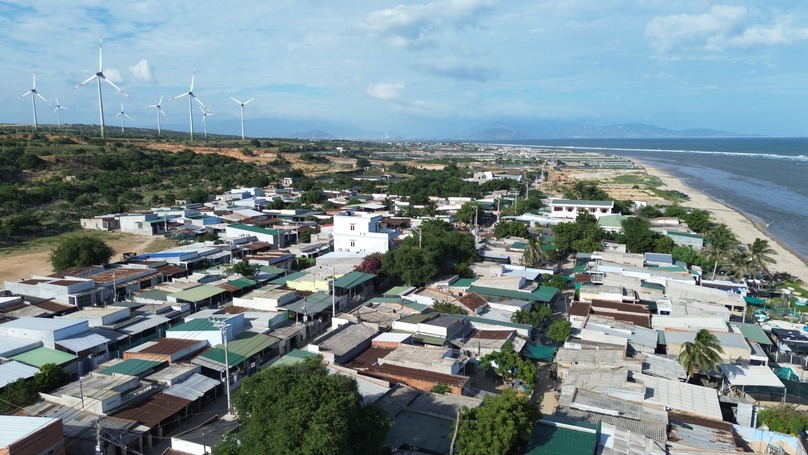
(723, 27)
(142, 71)
(455, 68)
(114, 75)
(386, 90)
(416, 25)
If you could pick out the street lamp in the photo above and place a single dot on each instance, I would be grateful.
(223, 325)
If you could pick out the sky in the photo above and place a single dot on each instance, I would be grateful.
(414, 69)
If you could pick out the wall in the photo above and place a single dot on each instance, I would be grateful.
(50, 437)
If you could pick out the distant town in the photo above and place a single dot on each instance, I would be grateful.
(234, 296)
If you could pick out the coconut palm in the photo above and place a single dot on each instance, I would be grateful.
(702, 354)
(760, 254)
(722, 243)
(741, 263)
(534, 252)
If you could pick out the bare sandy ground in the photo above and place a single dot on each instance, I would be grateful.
(22, 265)
(746, 230)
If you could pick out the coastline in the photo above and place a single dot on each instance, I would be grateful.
(744, 227)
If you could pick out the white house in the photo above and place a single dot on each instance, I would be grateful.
(360, 233)
(569, 208)
(143, 224)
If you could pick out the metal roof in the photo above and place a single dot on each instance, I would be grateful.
(192, 388)
(16, 428)
(195, 294)
(293, 357)
(542, 294)
(314, 304)
(353, 279)
(250, 343)
(158, 408)
(131, 367)
(242, 283)
(753, 332)
(82, 342)
(256, 229)
(41, 356)
(141, 325)
(463, 282)
(553, 439)
(753, 375)
(194, 325)
(285, 279)
(12, 370)
(43, 324)
(214, 359)
(11, 346)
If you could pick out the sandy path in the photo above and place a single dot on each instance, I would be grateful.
(746, 230)
(22, 265)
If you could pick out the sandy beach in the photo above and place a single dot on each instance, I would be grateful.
(744, 228)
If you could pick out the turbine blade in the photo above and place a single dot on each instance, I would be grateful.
(161, 100)
(127, 115)
(57, 101)
(118, 88)
(25, 94)
(201, 103)
(248, 101)
(160, 109)
(100, 54)
(193, 78)
(43, 99)
(88, 80)
(179, 96)
(239, 102)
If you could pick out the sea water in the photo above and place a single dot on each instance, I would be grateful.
(764, 178)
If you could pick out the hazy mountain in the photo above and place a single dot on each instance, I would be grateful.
(564, 129)
(313, 135)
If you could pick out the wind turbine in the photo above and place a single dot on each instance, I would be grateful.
(99, 76)
(122, 114)
(205, 115)
(242, 111)
(191, 99)
(58, 112)
(33, 94)
(159, 111)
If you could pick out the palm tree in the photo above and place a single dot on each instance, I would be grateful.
(702, 354)
(534, 252)
(760, 254)
(741, 263)
(722, 243)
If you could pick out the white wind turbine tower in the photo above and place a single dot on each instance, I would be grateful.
(205, 115)
(34, 94)
(99, 76)
(122, 114)
(58, 112)
(159, 111)
(242, 111)
(191, 99)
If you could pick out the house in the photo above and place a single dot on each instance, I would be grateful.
(358, 232)
(24, 435)
(694, 241)
(143, 223)
(275, 237)
(101, 223)
(569, 208)
(344, 343)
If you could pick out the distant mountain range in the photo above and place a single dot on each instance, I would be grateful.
(569, 130)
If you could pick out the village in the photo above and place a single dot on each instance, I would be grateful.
(156, 344)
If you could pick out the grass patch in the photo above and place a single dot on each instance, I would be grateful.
(650, 181)
(112, 238)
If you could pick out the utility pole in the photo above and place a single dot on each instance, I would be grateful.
(476, 221)
(222, 325)
(99, 450)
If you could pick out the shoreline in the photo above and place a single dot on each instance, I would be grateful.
(743, 225)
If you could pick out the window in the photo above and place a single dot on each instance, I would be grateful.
(353, 226)
(353, 243)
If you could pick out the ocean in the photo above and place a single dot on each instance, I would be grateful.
(764, 178)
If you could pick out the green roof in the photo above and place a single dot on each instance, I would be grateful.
(418, 318)
(397, 291)
(657, 286)
(661, 340)
(198, 293)
(539, 352)
(131, 367)
(295, 356)
(41, 356)
(547, 238)
(463, 282)
(250, 343)
(542, 294)
(557, 440)
(256, 229)
(242, 283)
(154, 294)
(271, 269)
(754, 301)
(353, 279)
(579, 269)
(396, 300)
(755, 333)
(519, 245)
(285, 279)
(429, 339)
(612, 220)
(194, 325)
(217, 355)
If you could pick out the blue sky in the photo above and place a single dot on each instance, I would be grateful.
(416, 69)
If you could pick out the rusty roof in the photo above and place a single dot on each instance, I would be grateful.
(492, 334)
(154, 410)
(642, 320)
(168, 346)
(579, 309)
(391, 372)
(56, 307)
(66, 282)
(369, 358)
(472, 301)
(624, 307)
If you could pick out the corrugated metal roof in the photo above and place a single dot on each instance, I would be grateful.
(251, 343)
(214, 359)
(87, 340)
(285, 279)
(353, 279)
(12, 370)
(41, 356)
(194, 325)
(256, 229)
(131, 367)
(158, 408)
(11, 346)
(293, 357)
(192, 388)
(242, 283)
(198, 293)
(18, 427)
(148, 322)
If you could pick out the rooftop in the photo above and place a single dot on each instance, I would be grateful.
(16, 428)
(41, 356)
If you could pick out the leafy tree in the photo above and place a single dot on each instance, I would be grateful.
(511, 229)
(243, 268)
(371, 263)
(441, 389)
(663, 244)
(311, 197)
(466, 213)
(649, 212)
(698, 220)
(301, 409)
(362, 163)
(701, 354)
(534, 317)
(80, 251)
(721, 243)
(448, 308)
(587, 191)
(637, 235)
(415, 266)
(784, 419)
(510, 366)
(49, 377)
(688, 255)
(584, 235)
(500, 425)
(559, 330)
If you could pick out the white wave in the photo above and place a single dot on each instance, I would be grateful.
(772, 156)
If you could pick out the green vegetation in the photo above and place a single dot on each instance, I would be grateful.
(243, 268)
(441, 389)
(303, 409)
(511, 229)
(784, 419)
(23, 392)
(583, 235)
(80, 251)
(448, 308)
(534, 317)
(559, 330)
(702, 354)
(510, 366)
(501, 425)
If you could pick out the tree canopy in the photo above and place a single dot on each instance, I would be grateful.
(702, 354)
(243, 268)
(511, 229)
(301, 409)
(559, 330)
(502, 424)
(784, 419)
(80, 251)
(510, 366)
